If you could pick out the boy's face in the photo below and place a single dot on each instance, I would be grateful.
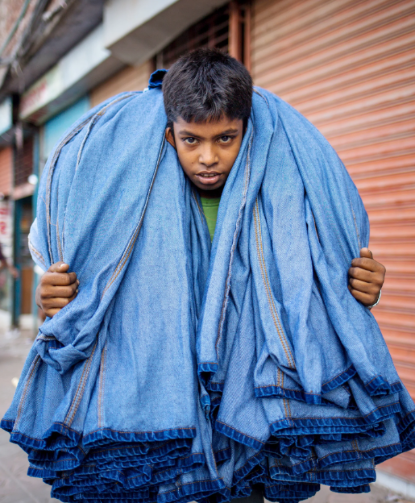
(207, 150)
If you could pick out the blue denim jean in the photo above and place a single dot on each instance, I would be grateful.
(189, 371)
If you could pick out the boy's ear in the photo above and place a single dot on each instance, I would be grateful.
(170, 137)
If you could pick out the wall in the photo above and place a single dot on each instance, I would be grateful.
(129, 79)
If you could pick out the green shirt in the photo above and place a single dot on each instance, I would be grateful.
(210, 209)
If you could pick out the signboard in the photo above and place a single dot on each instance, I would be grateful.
(65, 77)
(6, 228)
(6, 117)
(42, 92)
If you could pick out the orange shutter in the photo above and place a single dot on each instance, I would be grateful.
(6, 170)
(348, 66)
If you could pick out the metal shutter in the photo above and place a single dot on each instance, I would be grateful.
(348, 66)
(211, 31)
(6, 170)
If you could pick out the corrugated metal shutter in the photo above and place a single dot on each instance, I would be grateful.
(6, 170)
(23, 162)
(128, 79)
(211, 31)
(348, 66)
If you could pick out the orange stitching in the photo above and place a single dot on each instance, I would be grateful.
(269, 287)
(266, 283)
(36, 252)
(198, 206)
(26, 389)
(101, 384)
(81, 387)
(234, 243)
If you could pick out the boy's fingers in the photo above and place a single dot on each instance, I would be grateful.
(73, 296)
(51, 312)
(73, 278)
(362, 274)
(366, 253)
(58, 267)
(52, 291)
(364, 298)
(366, 263)
(56, 303)
(362, 286)
(59, 279)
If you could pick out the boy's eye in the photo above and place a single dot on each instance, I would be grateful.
(226, 139)
(190, 140)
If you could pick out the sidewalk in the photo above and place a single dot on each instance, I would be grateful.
(17, 487)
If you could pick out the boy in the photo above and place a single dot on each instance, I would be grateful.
(206, 124)
(270, 288)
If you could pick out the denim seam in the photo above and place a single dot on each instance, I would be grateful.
(339, 379)
(338, 375)
(354, 217)
(284, 401)
(262, 96)
(246, 463)
(170, 468)
(101, 385)
(198, 207)
(234, 242)
(124, 447)
(378, 375)
(50, 175)
(270, 297)
(396, 383)
(35, 365)
(359, 451)
(265, 279)
(244, 434)
(37, 253)
(47, 338)
(136, 232)
(288, 389)
(296, 392)
(338, 417)
(188, 483)
(155, 431)
(213, 457)
(58, 149)
(42, 439)
(92, 121)
(58, 238)
(70, 416)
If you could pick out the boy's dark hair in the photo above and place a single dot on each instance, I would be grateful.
(206, 84)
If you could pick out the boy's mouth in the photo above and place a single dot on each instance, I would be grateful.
(208, 177)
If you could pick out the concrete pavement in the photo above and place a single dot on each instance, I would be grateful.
(17, 487)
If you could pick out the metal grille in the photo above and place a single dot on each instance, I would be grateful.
(212, 31)
(23, 162)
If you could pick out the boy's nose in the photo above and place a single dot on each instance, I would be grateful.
(208, 157)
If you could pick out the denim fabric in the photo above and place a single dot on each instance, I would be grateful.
(186, 370)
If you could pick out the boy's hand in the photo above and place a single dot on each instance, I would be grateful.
(56, 289)
(366, 277)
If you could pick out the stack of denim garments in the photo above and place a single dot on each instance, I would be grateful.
(186, 371)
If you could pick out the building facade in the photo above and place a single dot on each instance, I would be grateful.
(347, 65)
